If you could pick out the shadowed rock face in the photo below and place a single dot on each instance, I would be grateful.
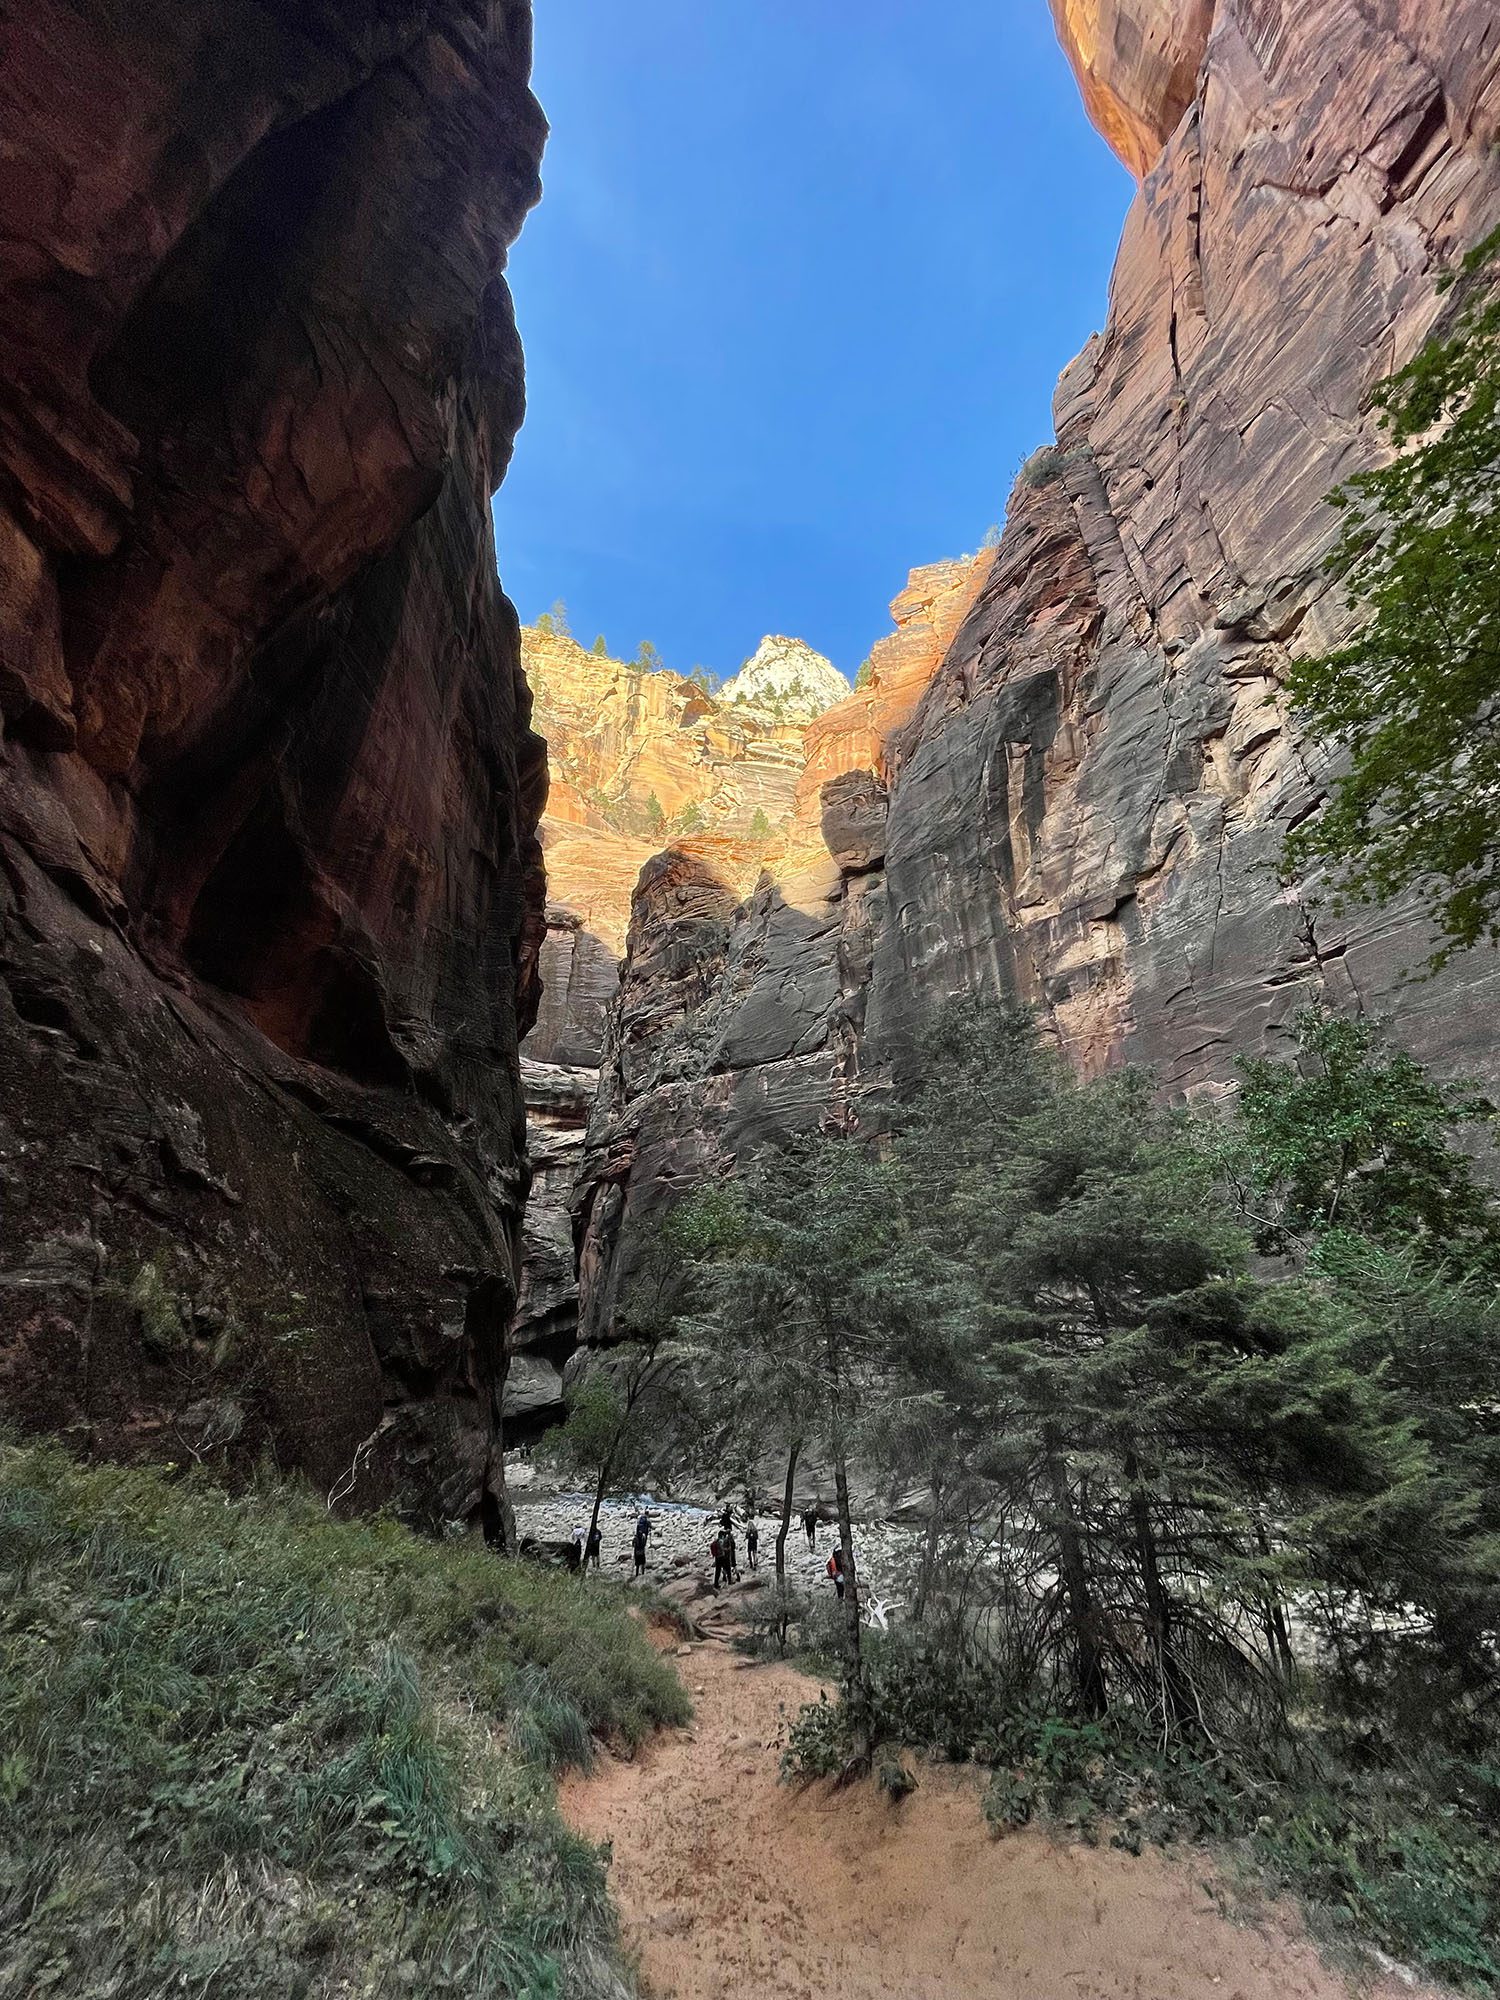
(1088, 806)
(270, 894)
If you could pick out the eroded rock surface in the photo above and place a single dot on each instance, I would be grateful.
(270, 895)
(1087, 807)
(1137, 63)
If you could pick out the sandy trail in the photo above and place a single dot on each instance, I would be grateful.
(733, 1886)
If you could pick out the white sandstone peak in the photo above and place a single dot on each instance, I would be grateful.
(786, 677)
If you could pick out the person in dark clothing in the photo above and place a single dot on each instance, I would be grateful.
(595, 1543)
(810, 1526)
(752, 1542)
(721, 1565)
(726, 1519)
(731, 1555)
(836, 1571)
(642, 1536)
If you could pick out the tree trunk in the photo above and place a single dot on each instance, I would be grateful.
(1276, 1624)
(793, 1453)
(929, 1553)
(1176, 1692)
(604, 1472)
(1088, 1664)
(856, 1694)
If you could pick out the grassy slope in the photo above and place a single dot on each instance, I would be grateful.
(247, 1751)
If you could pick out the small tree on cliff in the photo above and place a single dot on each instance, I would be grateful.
(1415, 695)
(600, 649)
(656, 819)
(760, 826)
(647, 658)
(559, 620)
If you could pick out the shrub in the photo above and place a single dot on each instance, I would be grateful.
(252, 1751)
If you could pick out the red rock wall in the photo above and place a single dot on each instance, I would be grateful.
(1088, 807)
(269, 887)
(1091, 804)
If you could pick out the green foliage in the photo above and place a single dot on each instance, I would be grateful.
(647, 658)
(558, 620)
(253, 1751)
(1226, 1555)
(599, 648)
(991, 536)
(1043, 466)
(760, 826)
(690, 819)
(621, 1429)
(656, 819)
(1356, 1137)
(1413, 695)
(545, 625)
(865, 673)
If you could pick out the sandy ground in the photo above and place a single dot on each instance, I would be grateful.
(733, 1886)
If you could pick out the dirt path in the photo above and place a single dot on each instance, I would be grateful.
(735, 1887)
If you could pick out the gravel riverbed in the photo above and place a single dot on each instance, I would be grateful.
(680, 1537)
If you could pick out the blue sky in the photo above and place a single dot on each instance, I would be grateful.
(794, 304)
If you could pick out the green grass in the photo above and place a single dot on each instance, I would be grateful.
(246, 1751)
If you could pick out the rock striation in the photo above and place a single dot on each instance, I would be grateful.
(1085, 804)
(270, 893)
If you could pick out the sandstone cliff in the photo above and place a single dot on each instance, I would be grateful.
(1088, 805)
(638, 760)
(269, 887)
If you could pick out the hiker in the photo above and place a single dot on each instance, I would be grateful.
(721, 1567)
(810, 1526)
(726, 1519)
(752, 1542)
(836, 1571)
(731, 1556)
(591, 1553)
(642, 1536)
(575, 1553)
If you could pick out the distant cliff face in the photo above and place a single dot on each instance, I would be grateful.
(1086, 805)
(785, 678)
(741, 997)
(270, 896)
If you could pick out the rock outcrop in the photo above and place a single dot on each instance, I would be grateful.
(786, 678)
(1137, 65)
(1087, 807)
(639, 760)
(740, 1016)
(270, 895)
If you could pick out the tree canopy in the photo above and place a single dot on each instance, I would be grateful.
(1412, 697)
